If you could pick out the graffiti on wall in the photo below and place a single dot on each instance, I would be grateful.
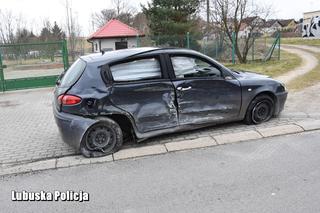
(312, 29)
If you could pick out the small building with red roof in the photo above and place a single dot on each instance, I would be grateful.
(114, 35)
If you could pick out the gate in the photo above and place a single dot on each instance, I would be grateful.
(32, 65)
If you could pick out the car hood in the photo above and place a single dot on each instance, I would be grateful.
(249, 75)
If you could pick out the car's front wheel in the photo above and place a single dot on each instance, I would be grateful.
(260, 110)
(103, 138)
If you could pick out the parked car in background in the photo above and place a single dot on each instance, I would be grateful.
(138, 93)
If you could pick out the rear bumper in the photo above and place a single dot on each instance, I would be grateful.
(72, 127)
(281, 99)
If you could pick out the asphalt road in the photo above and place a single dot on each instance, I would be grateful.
(280, 174)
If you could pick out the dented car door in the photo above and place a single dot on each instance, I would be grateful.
(203, 94)
(143, 89)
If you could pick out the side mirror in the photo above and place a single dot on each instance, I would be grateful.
(228, 77)
(58, 81)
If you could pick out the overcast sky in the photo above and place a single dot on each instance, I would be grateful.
(37, 10)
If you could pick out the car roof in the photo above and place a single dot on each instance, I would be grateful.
(125, 53)
(116, 54)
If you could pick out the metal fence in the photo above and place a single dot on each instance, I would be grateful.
(34, 65)
(218, 46)
(31, 65)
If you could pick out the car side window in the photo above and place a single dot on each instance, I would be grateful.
(189, 67)
(140, 69)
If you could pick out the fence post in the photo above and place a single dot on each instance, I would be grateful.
(279, 38)
(205, 42)
(65, 55)
(188, 40)
(2, 88)
(233, 47)
(216, 50)
(137, 40)
(253, 49)
(222, 49)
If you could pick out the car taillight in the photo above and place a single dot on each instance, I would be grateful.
(68, 99)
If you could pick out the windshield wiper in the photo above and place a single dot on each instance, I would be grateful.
(235, 71)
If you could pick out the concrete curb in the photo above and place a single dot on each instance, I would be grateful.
(237, 137)
(201, 142)
(139, 152)
(190, 144)
(279, 130)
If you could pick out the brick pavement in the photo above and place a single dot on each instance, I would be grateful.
(28, 130)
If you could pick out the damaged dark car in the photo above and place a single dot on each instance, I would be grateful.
(106, 98)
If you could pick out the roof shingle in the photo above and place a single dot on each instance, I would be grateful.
(115, 28)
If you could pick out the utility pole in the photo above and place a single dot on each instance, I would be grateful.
(208, 15)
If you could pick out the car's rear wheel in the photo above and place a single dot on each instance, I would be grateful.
(260, 110)
(103, 138)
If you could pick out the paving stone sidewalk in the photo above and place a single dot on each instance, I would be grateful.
(28, 131)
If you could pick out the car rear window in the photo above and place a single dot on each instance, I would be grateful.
(141, 69)
(73, 73)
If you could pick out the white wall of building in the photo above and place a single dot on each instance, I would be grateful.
(109, 43)
(311, 25)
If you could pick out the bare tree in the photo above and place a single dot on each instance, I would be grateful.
(73, 30)
(140, 22)
(7, 27)
(232, 15)
(99, 19)
(120, 6)
(120, 10)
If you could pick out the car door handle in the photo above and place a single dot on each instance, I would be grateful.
(184, 88)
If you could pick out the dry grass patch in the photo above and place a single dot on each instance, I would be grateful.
(273, 68)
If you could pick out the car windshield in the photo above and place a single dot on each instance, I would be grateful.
(68, 78)
(185, 67)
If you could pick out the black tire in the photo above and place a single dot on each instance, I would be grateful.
(101, 139)
(261, 109)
